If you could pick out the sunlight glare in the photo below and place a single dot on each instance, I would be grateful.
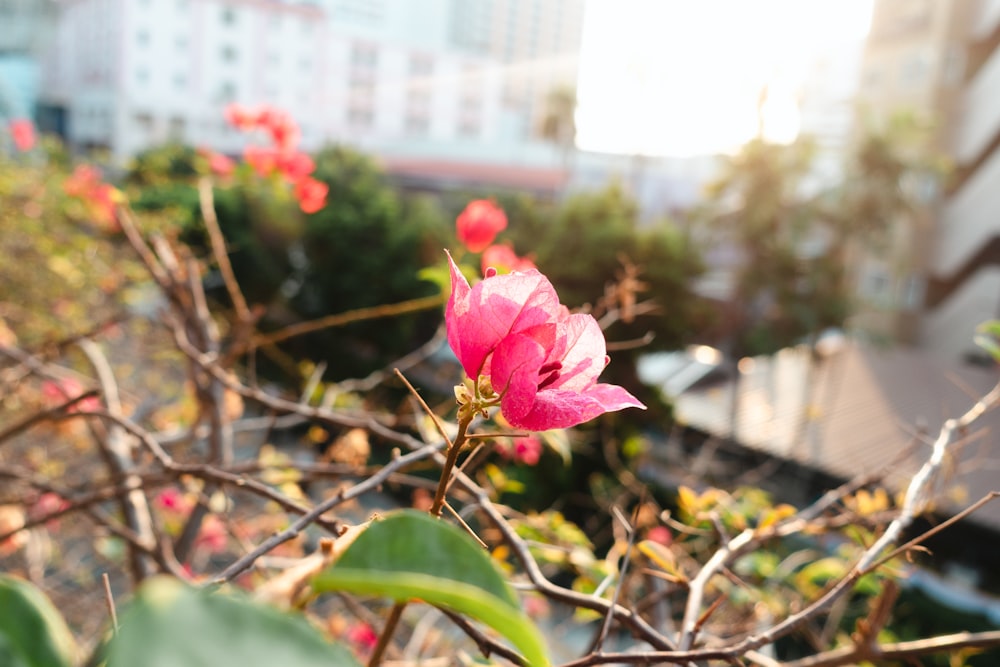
(665, 77)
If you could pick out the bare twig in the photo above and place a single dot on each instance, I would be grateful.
(340, 319)
(109, 599)
(300, 524)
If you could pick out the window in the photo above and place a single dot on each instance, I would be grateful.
(142, 38)
(360, 117)
(229, 54)
(175, 128)
(364, 56)
(228, 16)
(144, 123)
(421, 65)
(181, 42)
(142, 76)
(180, 81)
(227, 91)
(417, 125)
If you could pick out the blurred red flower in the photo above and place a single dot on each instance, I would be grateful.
(22, 131)
(311, 194)
(479, 224)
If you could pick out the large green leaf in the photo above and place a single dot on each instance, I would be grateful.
(32, 633)
(409, 555)
(170, 624)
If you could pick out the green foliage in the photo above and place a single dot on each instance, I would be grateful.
(170, 624)
(988, 338)
(67, 272)
(32, 633)
(365, 249)
(164, 164)
(410, 554)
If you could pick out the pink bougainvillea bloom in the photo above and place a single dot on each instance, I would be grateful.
(311, 194)
(58, 392)
(263, 159)
(295, 166)
(22, 131)
(503, 258)
(82, 181)
(542, 361)
(362, 636)
(479, 224)
(212, 537)
(101, 199)
(172, 500)
(523, 450)
(220, 164)
(241, 117)
(661, 535)
(282, 128)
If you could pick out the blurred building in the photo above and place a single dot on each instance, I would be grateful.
(25, 26)
(440, 80)
(964, 267)
(938, 59)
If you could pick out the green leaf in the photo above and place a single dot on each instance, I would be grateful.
(988, 337)
(409, 554)
(170, 624)
(32, 633)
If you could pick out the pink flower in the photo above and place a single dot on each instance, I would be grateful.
(295, 166)
(241, 117)
(220, 164)
(362, 636)
(523, 450)
(479, 224)
(503, 258)
(311, 194)
(282, 128)
(22, 131)
(58, 392)
(263, 160)
(172, 500)
(661, 535)
(542, 361)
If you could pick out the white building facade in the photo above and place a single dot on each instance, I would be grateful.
(134, 73)
(383, 75)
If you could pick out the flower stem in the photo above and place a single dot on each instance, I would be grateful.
(387, 632)
(452, 458)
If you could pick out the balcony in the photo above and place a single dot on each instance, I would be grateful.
(980, 115)
(970, 218)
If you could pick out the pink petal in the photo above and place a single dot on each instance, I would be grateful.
(584, 355)
(514, 372)
(554, 408)
(480, 317)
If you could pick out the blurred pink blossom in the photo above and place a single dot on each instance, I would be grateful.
(479, 224)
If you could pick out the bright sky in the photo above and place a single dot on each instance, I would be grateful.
(683, 77)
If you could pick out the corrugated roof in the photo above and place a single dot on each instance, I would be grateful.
(866, 409)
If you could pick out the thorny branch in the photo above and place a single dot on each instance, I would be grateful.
(141, 463)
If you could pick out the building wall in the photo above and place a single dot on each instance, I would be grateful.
(135, 73)
(968, 217)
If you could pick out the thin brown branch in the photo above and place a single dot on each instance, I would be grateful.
(372, 482)
(218, 242)
(340, 319)
(44, 415)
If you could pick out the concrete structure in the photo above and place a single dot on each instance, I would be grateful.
(964, 267)
(26, 28)
(393, 77)
(912, 64)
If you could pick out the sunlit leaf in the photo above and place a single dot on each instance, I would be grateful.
(410, 555)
